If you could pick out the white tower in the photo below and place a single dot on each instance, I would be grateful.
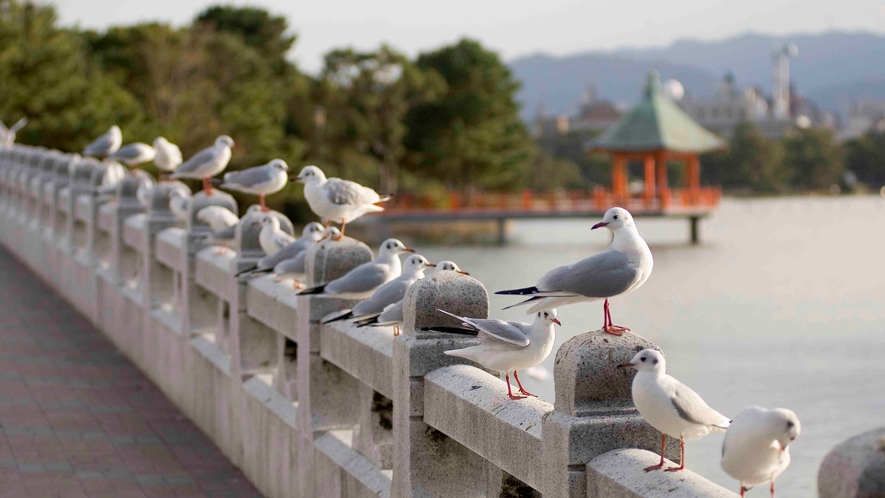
(780, 93)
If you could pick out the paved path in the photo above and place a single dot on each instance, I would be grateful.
(77, 419)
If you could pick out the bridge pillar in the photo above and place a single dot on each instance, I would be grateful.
(695, 222)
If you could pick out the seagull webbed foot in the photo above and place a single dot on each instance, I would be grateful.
(615, 330)
(654, 467)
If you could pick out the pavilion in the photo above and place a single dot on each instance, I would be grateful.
(656, 132)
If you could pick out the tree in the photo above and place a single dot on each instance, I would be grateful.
(47, 75)
(752, 160)
(471, 135)
(865, 156)
(267, 34)
(814, 156)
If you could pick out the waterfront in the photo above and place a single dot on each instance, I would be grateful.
(781, 305)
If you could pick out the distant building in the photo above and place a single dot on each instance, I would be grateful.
(862, 117)
(594, 115)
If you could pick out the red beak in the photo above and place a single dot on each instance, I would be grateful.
(408, 249)
(431, 265)
(557, 322)
(599, 225)
(625, 365)
(463, 273)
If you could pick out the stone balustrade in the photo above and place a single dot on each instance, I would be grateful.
(311, 410)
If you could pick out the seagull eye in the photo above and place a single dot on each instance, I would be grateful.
(790, 425)
(616, 216)
(655, 362)
(643, 359)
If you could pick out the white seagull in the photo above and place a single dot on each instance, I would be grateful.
(363, 280)
(271, 237)
(260, 180)
(206, 163)
(390, 293)
(623, 267)
(295, 268)
(392, 315)
(7, 135)
(312, 232)
(106, 144)
(669, 405)
(507, 346)
(179, 200)
(756, 447)
(334, 199)
(133, 154)
(217, 217)
(168, 155)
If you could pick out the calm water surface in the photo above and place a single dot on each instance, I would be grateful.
(782, 305)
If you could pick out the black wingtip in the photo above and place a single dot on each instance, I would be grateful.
(345, 316)
(451, 330)
(519, 292)
(247, 270)
(313, 290)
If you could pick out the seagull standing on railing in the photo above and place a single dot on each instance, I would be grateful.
(260, 180)
(363, 280)
(271, 237)
(217, 217)
(106, 144)
(334, 199)
(390, 293)
(669, 405)
(312, 232)
(206, 163)
(133, 154)
(392, 315)
(7, 135)
(295, 268)
(168, 155)
(179, 200)
(623, 267)
(507, 346)
(756, 447)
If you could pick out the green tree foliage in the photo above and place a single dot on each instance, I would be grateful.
(865, 156)
(595, 168)
(45, 74)
(751, 161)
(814, 157)
(471, 135)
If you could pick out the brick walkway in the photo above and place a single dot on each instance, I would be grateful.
(77, 419)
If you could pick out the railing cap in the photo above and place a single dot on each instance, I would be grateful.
(460, 294)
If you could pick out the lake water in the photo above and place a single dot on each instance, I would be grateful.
(781, 305)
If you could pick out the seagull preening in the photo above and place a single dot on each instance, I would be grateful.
(334, 199)
(206, 163)
(260, 180)
(392, 315)
(623, 267)
(756, 449)
(168, 155)
(106, 144)
(133, 154)
(272, 238)
(363, 280)
(507, 346)
(390, 293)
(669, 405)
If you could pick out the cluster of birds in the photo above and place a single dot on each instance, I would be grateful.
(756, 445)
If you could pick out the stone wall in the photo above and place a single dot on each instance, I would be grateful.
(311, 410)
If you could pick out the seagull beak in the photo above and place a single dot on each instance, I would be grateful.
(557, 322)
(295, 179)
(431, 265)
(408, 249)
(626, 365)
(599, 225)
(463, 273)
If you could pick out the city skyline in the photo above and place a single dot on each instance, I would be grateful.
(559, 27)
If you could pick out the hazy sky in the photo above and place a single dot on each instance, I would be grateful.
(512, 27)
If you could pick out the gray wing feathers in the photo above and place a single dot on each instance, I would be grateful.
(509, 332)
(344, 192)
(606, 274)
(288, 252)
(247, 177)
(387, 294)
(201, 158)
(99, 146)
(692, 408)
(294, 265)
(363, 278)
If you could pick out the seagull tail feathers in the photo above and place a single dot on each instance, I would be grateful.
(525, 291)
(250, 270)
(371, 322)
(452, 330)
(522, 303)
(345, 316)
(313, 290)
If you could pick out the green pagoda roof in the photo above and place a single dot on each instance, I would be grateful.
(657, 123)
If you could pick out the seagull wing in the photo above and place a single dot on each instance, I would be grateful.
(510, 332)
(344, 192)
(693, 408)
(606, 274)
(363, 278)
(248, 177)
(99, 146)
(197, 160)
(387, 294)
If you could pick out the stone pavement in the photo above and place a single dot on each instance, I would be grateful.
(77, 419)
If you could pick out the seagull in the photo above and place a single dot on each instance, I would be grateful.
(106, 144)
(623, 267)
(207, 163)
(507, 346)
(134, 154)
(260, 180)
(168, 155)
(114, 173)
(669, 405)
(295, 268)
(217, 217)
(756, 447)
(7, 135)
(146, 183)
(335, 199)
(271, 237)
(392, 315)
(312, 232)
(390, 293)
(363, 280)
(179, 200)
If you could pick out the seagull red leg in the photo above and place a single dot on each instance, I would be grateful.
(207, 185)
(263, 205)
(343, 224)
(609, 327)
(522, 389)
(663, 448)
(772, 489)
(509, 390)
(743, 491)
(682, 462)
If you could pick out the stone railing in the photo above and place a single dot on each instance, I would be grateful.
(311, 410)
